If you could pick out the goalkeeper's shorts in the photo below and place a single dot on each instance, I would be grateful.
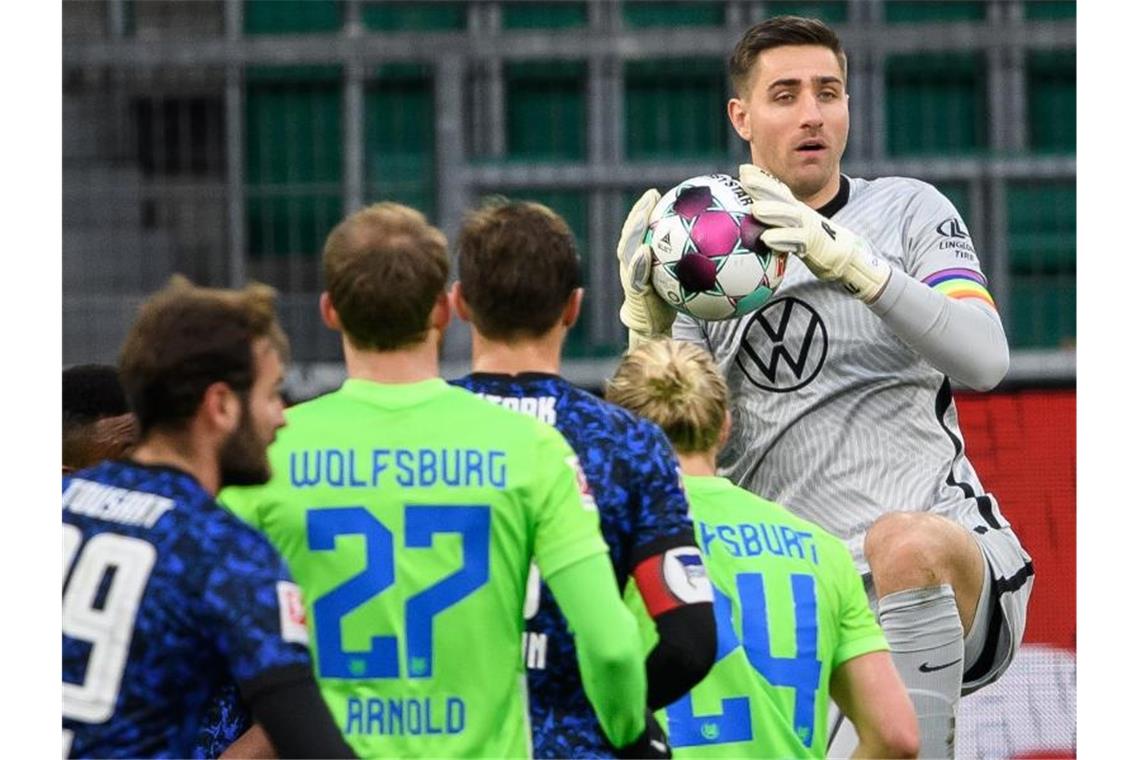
(999, 627)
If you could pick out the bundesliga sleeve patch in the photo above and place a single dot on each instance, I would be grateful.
(584, 491)
(292, 612)
(673, 579)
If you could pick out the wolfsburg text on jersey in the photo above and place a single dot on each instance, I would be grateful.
(369, 468)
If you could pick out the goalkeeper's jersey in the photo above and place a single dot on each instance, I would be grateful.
(409, 515)
(633, 476)
(833, 415)
(790, 609)
(167, 600)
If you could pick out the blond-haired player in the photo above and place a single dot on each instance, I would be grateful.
(793, 620)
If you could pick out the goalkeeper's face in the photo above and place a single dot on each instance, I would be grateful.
(795, 118)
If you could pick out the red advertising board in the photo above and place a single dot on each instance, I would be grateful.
(1023, 445)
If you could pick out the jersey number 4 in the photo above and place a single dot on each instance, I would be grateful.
(421, 523)
(102, 613)
(800, 673)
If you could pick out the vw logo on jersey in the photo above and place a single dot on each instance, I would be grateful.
(784, 346)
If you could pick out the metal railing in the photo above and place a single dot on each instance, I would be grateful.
(125, 230)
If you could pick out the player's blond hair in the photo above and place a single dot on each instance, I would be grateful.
(676, 385)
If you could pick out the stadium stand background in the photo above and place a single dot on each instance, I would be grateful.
(224, 139)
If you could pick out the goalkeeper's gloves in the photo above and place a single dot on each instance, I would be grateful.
(643, 311)
(651, 744)
(829, 251)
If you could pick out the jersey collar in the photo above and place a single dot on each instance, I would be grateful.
(831, 208)
(520, 377)
(394, 395)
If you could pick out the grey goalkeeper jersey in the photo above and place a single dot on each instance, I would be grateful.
(833, 415)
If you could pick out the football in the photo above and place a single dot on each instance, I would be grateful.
(708, 259)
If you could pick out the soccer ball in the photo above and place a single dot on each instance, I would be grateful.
(708, 259)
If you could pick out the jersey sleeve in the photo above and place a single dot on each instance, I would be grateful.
(859, 631)
(258, 613)
(939, 250)
(662, 510)
(566, 521)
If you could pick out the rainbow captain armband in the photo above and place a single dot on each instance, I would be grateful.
(960, 283)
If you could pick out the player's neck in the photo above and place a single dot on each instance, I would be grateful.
(412, 364)
(179, 451)
(825, 194)
(541, 354)
(700, 463)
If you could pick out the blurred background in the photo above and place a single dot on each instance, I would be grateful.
(224, 139)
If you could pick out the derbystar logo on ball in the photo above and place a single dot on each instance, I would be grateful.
(708, 259)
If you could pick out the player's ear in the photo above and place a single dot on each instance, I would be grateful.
(440, 313)
(328, 313)
(738, 115)
(458, 303)
(725, 429)
(573, 308)
(221, 407)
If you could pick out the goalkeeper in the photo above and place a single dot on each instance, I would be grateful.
(841, 384)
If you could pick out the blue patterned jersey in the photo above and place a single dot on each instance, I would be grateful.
(632, 473)
(167, 597)
(225, 720)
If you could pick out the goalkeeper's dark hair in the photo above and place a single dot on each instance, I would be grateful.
(518, 266)
(676, 385)
(187, 338)
(779, 31)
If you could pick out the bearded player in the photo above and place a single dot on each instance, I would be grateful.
(841, 383)
(167, 598)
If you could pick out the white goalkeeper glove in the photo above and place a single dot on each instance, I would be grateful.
(829, 251)
(645, 313)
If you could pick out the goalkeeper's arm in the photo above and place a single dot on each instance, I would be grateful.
(963, 339)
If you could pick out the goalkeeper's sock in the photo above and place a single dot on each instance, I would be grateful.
(925, 634)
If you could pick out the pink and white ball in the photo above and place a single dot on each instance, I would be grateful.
(708, 259)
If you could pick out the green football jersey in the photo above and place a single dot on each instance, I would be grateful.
(790, 609)
(409, 515)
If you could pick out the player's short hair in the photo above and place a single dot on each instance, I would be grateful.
(775, 32)
(97, 420)
(518, 266)
(384, 269)
(188, 337)
(676, 385)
